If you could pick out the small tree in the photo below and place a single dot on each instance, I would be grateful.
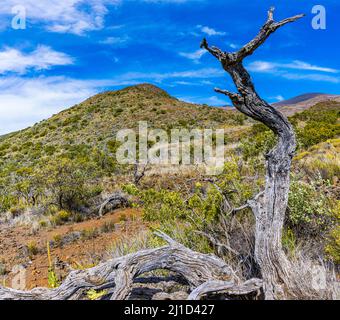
(68, 183)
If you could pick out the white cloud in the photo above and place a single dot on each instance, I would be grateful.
(261, 66)
(311, 77)
(64, 16)
(212, 101)
(192, 84)
(282, 70)
(266, 66)
(234, 46)
(204, 73)
(277, 98)
(300, 65)
(69, 16)
(169, 1)
(210, 31)
(194, 56)
(13, 60)
(115, 40)
(215, 101)
(26, 101)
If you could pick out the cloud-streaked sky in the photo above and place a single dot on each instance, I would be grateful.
(72, 49)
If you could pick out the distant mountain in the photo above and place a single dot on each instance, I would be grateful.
(300, 98)
(303, 102)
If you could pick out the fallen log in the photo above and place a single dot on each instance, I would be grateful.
(117, 275)
(116, 200)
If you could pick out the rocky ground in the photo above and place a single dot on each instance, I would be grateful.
(23, 254)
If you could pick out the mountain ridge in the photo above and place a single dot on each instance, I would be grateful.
(303, 102)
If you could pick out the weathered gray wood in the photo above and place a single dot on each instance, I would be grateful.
(118, 274)
(138, 174)
(116, 200)
(269, 209)
(227, 287)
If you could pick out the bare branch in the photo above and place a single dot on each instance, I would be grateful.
(252, 204)
(217, 243)
(231, 95)
(166, 238)
(288, 20)
(138, 175)
(267, 29)
(271, 14)
(216, 52)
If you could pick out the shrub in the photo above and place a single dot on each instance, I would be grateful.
(315, 132)
(53, 281)
(181, 218)
(89, 233)
(42, 223)
(78, 217)
(108, 227)
(118, 111)
(3, 269)
(17, 211)
(32, 248)
(61, 217)
(96, 295)
(289, 241)
(309, 210)
(57, 239)
(69, 182)
(258, 144)
(332, 248)
(123, 218)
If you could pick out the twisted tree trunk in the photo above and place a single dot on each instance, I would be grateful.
(269, 208)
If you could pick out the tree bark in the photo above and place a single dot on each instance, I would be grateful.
(269, 209)
(226, 287)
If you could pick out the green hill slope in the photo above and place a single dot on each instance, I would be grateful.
(68, 159)
(79, 143)
(94, 122)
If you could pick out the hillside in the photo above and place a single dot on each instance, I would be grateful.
(95, 121)
(79, 143)
(303, 102)
(84, 137)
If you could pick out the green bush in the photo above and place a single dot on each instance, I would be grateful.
(17, 211)
(61, 217)
(182, 218)
(309, 210)
(258, 144)
(332, 248)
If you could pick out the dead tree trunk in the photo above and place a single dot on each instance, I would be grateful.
(269, 208)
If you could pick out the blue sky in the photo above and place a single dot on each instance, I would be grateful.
(72, 49)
